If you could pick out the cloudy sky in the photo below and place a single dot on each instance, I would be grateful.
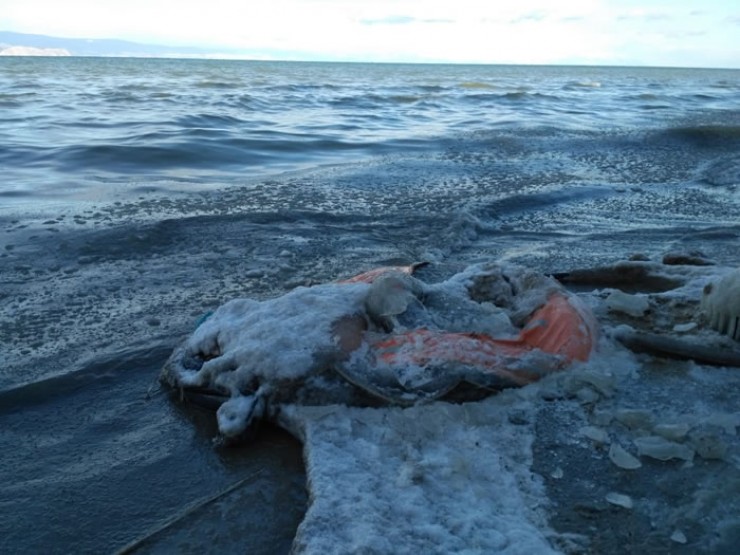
(691, 33)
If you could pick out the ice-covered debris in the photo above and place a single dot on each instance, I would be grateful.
(620, 500)
(683, 328)
(507, 286)
(721, 303)
(282, 338)
(704, 350)
(691, 258)
(342, 332)
(678, 537)
(557, 473)
(662, 449)
(622, 458)
(645, 276)
(632, 305)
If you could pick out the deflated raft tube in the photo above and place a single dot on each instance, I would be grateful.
(560, 328)
(564, 327)
(559, 333)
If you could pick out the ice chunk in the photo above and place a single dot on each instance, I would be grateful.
(678, 536)
(601, 382)
(602, 417)
(673, 432)
(660, 448)
(593, 433)
(633, 305)
(635, 418)
(622, 458)
(620, 500)
(587, 396)
(728, 422)
(708, 442)
(235, 415)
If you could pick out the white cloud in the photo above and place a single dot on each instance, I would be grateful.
(522, 31)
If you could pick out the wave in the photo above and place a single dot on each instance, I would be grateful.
(215, 84)
(16, 100)
(203, 147)
(234, 117)
(511, 96)
(477, 85)
(372, 101)
(707, 136)
(208, 120)
(582, 85)
(96, 371)
(723, 172)
(518, 203)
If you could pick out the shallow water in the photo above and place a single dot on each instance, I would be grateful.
(93, 464)
(140, 194)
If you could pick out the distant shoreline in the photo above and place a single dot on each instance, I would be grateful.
(33, 51)
(25, 44)
(4, 53)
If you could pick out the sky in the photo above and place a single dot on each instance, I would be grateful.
(683, 33)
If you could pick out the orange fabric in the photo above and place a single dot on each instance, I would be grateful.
(561, 327)
(420, 347)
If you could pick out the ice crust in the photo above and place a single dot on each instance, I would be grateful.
(721, 302)
(277, 339)
(440, 478)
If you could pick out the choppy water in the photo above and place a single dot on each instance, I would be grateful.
(85, 126)
(138, 194)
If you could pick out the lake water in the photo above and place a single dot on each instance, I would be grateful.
(137, 195)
